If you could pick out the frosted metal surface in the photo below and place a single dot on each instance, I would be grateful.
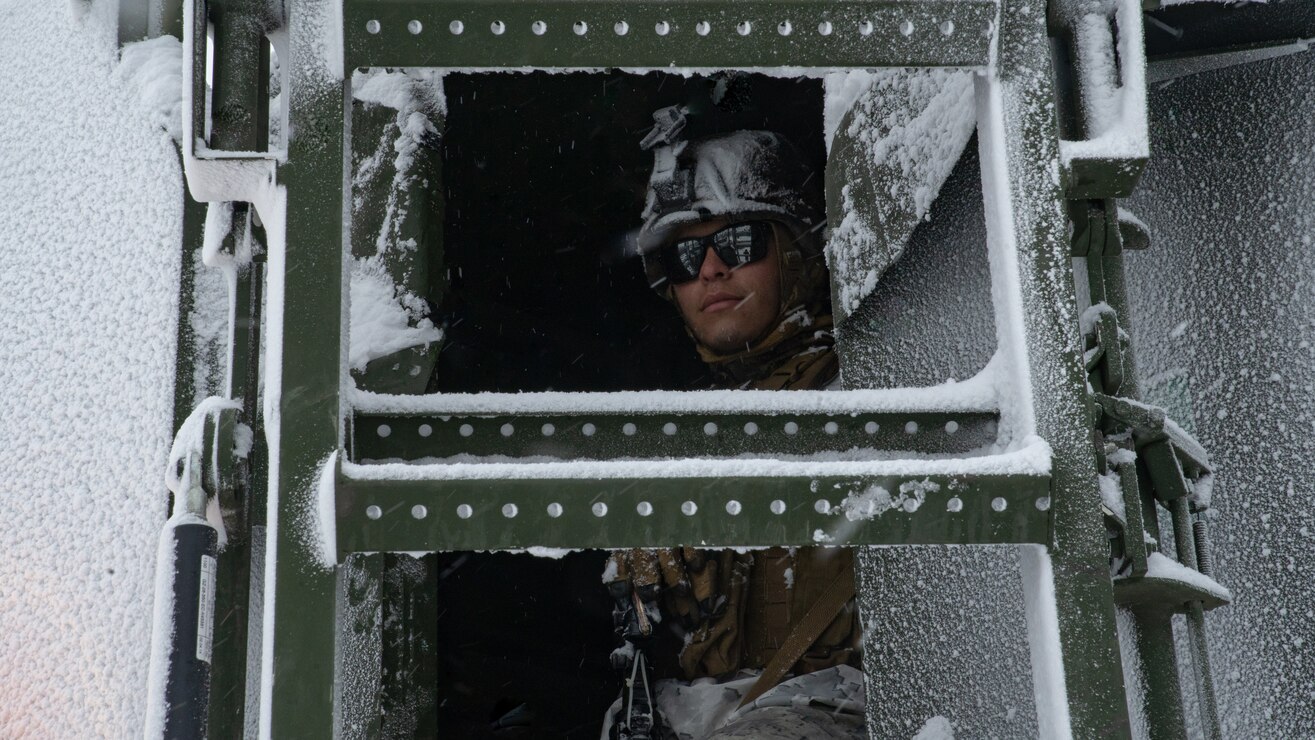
(1224, 305)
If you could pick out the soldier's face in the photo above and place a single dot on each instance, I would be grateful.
(727, 309)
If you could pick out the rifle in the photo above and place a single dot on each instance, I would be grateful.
(638, 717)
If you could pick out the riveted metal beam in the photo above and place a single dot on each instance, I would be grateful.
(502, 513)
(688, 33)
(640, 435)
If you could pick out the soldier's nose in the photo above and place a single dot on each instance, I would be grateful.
(713, 267)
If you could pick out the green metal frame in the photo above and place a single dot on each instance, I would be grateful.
(324, 600)
(880, 33)
(657, 436)
(1018, 134)
(740, 511)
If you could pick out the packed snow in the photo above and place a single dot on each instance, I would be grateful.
(88, 304)
(911, 126)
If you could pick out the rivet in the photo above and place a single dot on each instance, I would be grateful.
(778, 507)
(464, 511)
(791, 427)
(744, 28)
(911, 505)
(580, 28)
(689, 508)
(911, 427)
(497, 27)
(621, 28)
(865, 28)
(644, 508)
(554, 510)
(629, 429)
(954, 505)
(510, 510)
(750, 429)
(951, 427)
(372, 26)
(906, 28)
(415, 27)
(508, 430)
(871, 427)
(669, 429)
(999, 504)
(539, 28)
(702, 28)
(733, 507)
(947, 27)
(824, 28)
(425, 430)
(1043, 503)
(588, 429)
(662, 28)
(599, 508)
(373, 512)
(419, 511)
(822, 506)
(831, 427)
(456, 27)
(784, 28)
(466, 430)
(384, 430)
(548, 430)
(710, 429)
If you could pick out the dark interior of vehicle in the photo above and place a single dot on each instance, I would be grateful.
(544, 180)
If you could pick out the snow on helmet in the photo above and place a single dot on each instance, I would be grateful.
(744, 175)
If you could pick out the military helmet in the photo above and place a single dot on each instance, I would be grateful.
(744, 175)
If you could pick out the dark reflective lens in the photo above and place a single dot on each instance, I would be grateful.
(735, 245)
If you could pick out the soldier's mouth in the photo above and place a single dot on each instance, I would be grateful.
(715, 302)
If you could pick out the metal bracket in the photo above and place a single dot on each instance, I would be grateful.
(1110, 64)
(231, 162)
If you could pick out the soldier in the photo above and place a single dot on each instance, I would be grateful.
(732, 237)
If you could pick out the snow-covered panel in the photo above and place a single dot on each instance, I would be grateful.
(1223, 322)
(953, 643)
(893, 136)
(396, 197)
(89, 265)
(930, 317)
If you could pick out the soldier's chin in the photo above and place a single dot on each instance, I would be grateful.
(725, 342)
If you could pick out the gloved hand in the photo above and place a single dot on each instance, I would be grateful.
(704, 590)
(686, 579)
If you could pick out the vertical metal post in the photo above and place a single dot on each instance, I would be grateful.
(1159, 669)
(1020, 148)
(240, 90)
(1154, 631)
(233, 588)
(303, 421)
(1185, 542)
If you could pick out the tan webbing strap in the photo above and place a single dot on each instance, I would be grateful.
(805, 633)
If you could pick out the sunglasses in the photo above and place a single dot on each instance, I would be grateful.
(736, 245)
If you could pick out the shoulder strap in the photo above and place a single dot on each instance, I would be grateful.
(805, 633)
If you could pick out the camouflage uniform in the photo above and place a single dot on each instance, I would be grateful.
(733, 610)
